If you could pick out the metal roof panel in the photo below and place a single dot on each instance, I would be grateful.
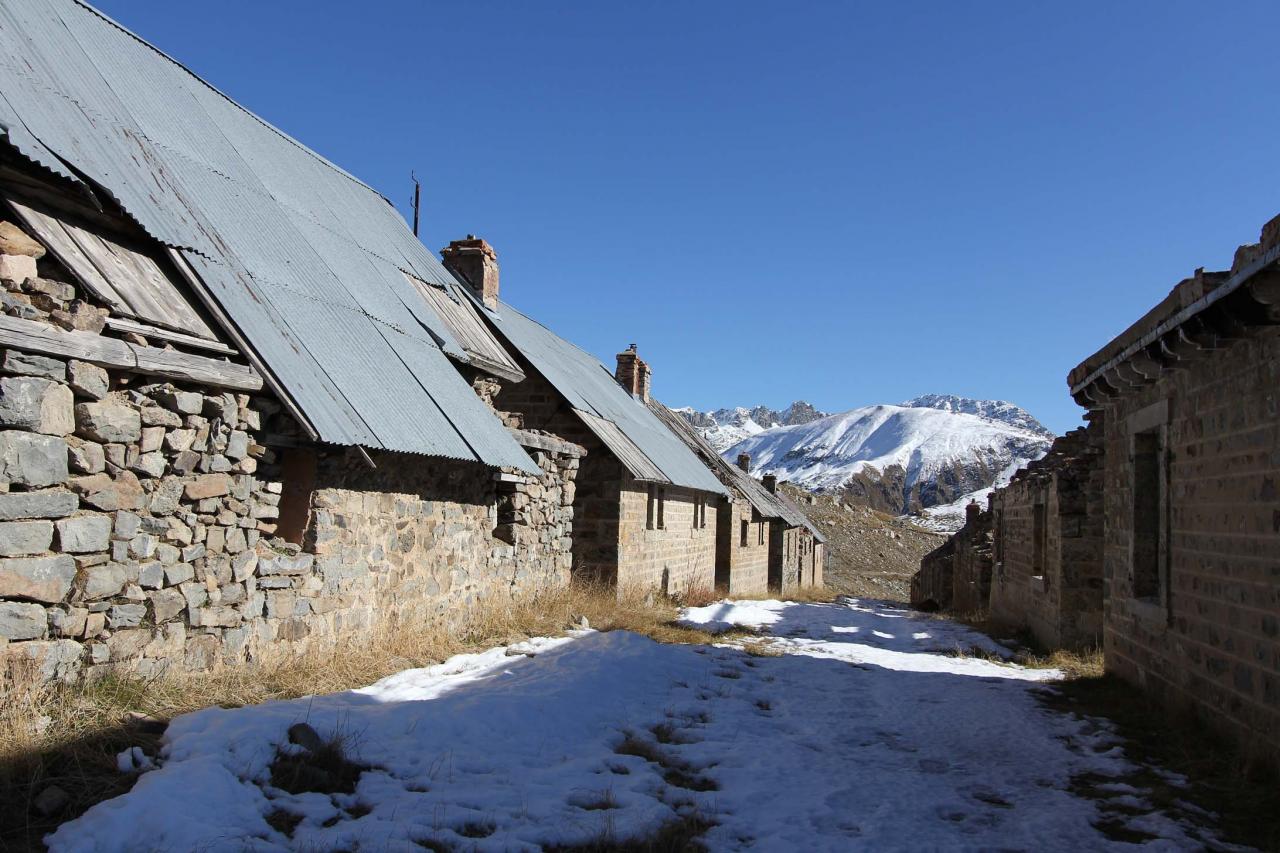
(591, 388)
(305, 259)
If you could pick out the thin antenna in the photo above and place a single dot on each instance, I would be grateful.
(417, 198)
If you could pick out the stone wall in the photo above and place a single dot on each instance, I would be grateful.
(1053, 586)
(675, 557)
(147, 525)
(741, 570)
(612, 541)
(957, 574)
(1210, 639)
(535, 404)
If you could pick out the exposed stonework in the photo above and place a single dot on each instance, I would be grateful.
(1048, 545)
(142, 522)
(1191, 492)
(742, 561)
(1210, 636)
(956, 575)
(1032, 559)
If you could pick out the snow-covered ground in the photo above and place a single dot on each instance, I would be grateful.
(867, 732)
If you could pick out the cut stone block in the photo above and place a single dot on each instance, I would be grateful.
(46, 579)
(108, 421)
(29, 459)
(23, 538)
(39, 405)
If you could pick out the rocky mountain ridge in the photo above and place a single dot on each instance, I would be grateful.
(725, 427)
(899, 459)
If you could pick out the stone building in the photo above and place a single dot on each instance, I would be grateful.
(645, 507)
(1047, 545)
(1032, 559)
(240, 404)
(956, 575)
(1189, 397)
(763, 540)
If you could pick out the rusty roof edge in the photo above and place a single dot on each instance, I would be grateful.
(1164, 327)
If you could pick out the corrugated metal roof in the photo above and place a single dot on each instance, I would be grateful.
(307, 261)
(589, 387)
(460, 314)
(766, 503)
(640, 466)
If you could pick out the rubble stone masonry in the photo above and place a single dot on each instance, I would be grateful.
(146, 525)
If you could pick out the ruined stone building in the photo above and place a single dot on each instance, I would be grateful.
(956, 576)
(241, 405)
(1189, 398)
(1031, 559)
(1047, 545)
(764, 542)
(1157, 527)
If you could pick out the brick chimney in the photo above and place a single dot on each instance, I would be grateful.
(633, 374)
(744, 462)
(770, 482)
(475, 262)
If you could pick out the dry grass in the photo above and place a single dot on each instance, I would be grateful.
(68, 735)
(812, 594)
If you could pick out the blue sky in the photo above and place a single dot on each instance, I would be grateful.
(849, 203)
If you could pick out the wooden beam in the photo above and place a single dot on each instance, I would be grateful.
(32, 336)
(149, 331)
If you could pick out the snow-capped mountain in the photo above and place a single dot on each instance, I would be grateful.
(901, 458)
(724, 428)
(995, 410)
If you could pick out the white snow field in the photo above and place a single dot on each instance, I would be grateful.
(867, 732)
(924, 442)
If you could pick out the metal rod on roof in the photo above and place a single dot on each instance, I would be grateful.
(417, 198)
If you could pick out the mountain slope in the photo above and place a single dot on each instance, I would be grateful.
(899, 458)
(724, 428)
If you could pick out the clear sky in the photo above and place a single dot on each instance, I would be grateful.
(849, 203)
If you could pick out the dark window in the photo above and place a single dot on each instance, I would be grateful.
(999, 528)
(760, 534)
(662, 507)
(1148, 503)
(746, 526)
(702, 513)
(298, 474)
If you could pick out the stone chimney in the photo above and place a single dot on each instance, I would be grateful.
(770, 482)
(475, 262)
(971, 513)
(633, 374)
(744, 462)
